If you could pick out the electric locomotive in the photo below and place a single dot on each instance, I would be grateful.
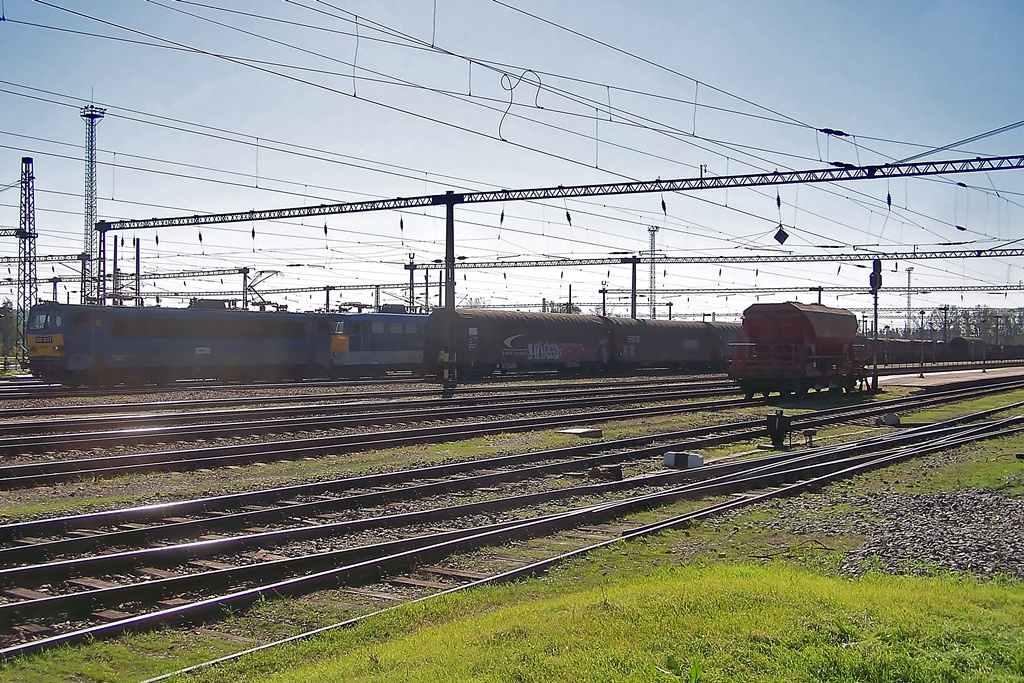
(107, 345)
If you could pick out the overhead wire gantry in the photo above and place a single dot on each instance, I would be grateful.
(839, 172)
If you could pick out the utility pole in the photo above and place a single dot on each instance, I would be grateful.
(921, 374)
(910, 314)
(632, 299)
(652, 231)
(93, 279)
(138, 272)
(411, 267)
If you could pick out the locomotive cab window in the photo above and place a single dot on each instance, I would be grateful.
(46, 321)
(396, 328)
(377, 327)
(339, 328)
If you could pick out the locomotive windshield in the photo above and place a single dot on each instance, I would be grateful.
(46, 320)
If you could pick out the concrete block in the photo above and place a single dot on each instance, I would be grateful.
(683, 461)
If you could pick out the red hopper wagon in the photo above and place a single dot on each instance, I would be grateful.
(794, 347)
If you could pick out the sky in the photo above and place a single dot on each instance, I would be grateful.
(230, 105)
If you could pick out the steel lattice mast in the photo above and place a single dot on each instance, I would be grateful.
(28, 286)
(90, 286)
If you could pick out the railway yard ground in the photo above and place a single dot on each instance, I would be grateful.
(909, 566)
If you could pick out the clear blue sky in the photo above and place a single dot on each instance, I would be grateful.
(219, 105)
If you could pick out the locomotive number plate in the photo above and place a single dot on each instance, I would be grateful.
(44, 340)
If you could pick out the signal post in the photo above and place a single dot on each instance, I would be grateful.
(875, 281)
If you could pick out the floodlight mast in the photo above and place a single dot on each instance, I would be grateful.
(837, 173)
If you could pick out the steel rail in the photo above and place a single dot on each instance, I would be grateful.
(97, 416)
(178, 427)
(61, 570)
(566, 459)
(20, 476)
(49, 472)
(49, 391)
(441, 546)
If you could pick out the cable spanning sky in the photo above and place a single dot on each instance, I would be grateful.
(230, 105)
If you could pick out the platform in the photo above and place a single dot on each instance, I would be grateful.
(950, 378)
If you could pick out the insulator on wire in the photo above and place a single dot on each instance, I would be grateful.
(664, 209)
(325, 230)
(888, 200)
(501, 218)
(401, 224)
(778, 200)
(254, 233)
(568, 218)
(200, 236)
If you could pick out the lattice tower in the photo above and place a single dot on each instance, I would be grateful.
(90, 291)
(28, 284)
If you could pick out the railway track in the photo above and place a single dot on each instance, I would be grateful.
(191, 426)
(52, 471)
(26, 418)
(148, 576)
(32, 389)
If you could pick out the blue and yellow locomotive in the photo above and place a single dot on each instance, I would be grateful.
(371, 344)
(106, 345)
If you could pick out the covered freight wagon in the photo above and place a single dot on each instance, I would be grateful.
(673, 344)
(794, 347)
(489, 341)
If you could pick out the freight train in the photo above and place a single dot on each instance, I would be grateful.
(794, 347)
(96, 345)
(488, 342)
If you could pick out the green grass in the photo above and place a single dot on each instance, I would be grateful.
(778, 622)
